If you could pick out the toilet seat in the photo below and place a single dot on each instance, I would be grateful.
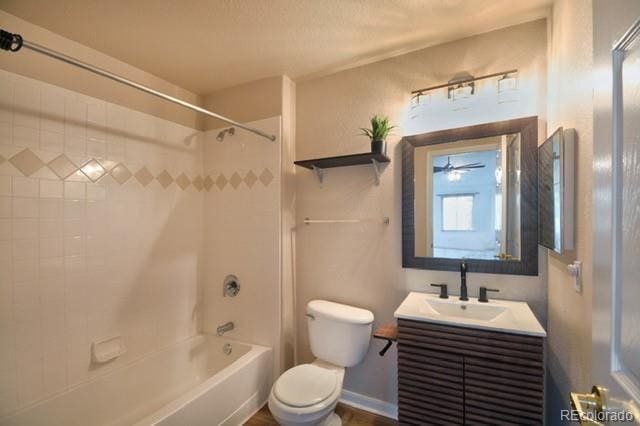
(305, 385)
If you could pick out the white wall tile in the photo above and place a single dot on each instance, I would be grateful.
(26, 137)
(51, 247)
(25, 229)
(5, 207)
(73, 246)
(24, 187)
(58, 239)
(5, 229)
(51, 209)
(6, 252)
(74, 191)
(25, 207)
(96, 192)
(25, 249)
(5, 185)
(25, 270)
(51, 141)
(50, 188)
(51, 228)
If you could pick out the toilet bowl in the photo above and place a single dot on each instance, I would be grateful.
(306, 395)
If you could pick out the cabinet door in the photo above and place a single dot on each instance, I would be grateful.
(468, 376)
(430, 384)
(499, 392)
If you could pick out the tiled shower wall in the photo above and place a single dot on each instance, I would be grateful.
(243, 232)
(100, 235)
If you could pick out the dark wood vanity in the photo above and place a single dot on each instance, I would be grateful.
(467, 376)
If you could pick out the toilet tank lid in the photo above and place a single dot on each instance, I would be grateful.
(339, 312)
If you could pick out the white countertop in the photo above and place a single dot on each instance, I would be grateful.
(497, 315)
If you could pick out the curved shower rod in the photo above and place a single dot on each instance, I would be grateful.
(14, 42)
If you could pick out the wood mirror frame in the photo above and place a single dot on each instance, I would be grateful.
(528, 262)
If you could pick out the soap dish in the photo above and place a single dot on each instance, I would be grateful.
(108, 349)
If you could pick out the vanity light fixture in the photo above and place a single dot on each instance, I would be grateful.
(420, 99)
(462, 85)
(507, 82)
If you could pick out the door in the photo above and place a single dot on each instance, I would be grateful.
(616, 286)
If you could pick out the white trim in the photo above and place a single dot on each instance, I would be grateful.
(370, 404)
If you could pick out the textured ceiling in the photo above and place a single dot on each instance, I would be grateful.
(205, 45)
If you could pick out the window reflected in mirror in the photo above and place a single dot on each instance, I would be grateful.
(467, 199)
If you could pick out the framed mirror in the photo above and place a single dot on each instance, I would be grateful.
(471, 194)
(556, 190)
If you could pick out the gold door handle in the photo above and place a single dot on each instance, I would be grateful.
(594, 402)
(504, 256)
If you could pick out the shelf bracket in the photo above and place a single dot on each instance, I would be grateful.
(319, 173)
(376, 171)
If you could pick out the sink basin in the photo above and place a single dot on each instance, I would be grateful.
(474, 311)
(501, 315)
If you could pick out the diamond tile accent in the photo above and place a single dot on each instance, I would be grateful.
(27, 162)
(197, 183)
(93, 170)
(208, 183)
(165, 179)
(2, 160)
(221, 182)
(235, 180)
(266, 177)
(183, 181)
(250, 178)
(62, 166)
(120, 173)
(144, 176)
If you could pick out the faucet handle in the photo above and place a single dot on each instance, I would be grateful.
(443, 290)
(483, 294)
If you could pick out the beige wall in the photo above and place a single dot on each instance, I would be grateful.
(82, 260)
(360, 264)
(571, 106)
(42, 68)
(247, 102)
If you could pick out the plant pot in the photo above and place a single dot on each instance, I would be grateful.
(379, 146)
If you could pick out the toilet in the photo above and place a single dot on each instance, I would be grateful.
(307, 394)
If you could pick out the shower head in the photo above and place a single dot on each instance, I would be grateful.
(222, 133)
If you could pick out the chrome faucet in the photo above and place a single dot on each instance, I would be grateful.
(463, 281)
(224, 328)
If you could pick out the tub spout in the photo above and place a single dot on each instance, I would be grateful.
(224, 328)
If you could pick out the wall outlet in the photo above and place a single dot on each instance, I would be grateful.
(575, 270)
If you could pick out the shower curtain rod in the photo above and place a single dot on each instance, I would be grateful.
(14, 42)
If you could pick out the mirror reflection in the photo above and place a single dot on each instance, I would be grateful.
(467, 199)
(549, 189)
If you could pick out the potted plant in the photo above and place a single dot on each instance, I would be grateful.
(380, 129)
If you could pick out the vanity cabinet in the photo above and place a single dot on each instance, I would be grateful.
(468, 376)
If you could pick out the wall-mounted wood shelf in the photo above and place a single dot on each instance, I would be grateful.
(319, 164)
(388, 332)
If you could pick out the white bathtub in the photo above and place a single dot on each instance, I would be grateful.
(190, 383)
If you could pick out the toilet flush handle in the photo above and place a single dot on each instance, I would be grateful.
(311, 316)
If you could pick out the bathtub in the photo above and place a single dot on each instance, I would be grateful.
(194, 382)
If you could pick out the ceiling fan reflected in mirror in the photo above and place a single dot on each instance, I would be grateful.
(454, 173)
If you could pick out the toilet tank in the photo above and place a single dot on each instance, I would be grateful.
(339, 334)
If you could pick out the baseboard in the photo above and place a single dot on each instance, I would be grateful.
(367, 403)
